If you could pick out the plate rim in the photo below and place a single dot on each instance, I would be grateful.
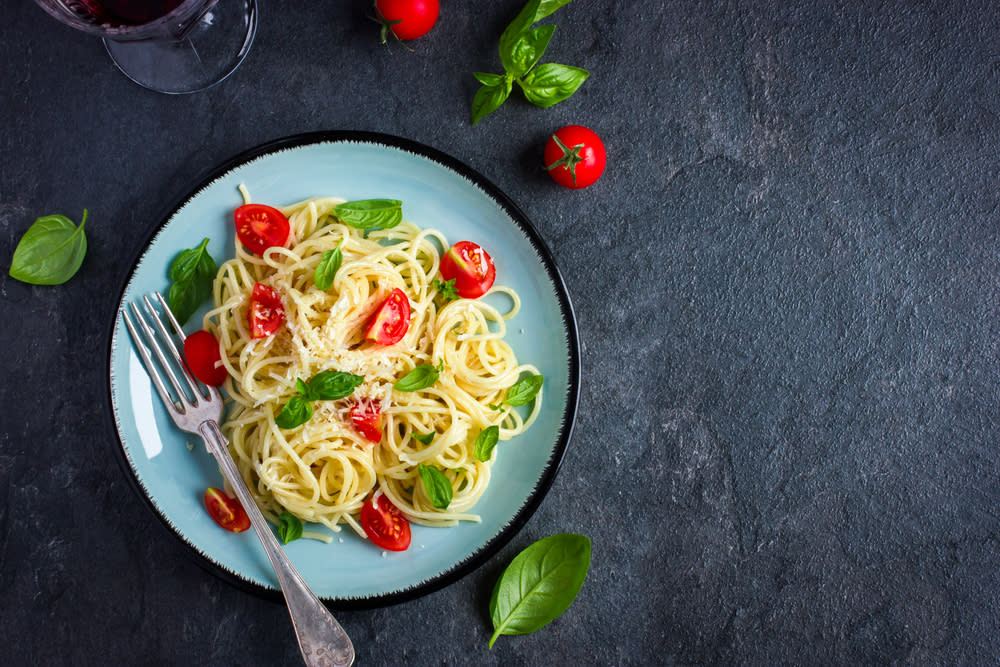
(472, 560)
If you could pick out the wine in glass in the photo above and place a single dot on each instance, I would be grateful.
(170, 46)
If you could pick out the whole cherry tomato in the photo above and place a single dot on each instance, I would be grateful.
(201, 351)
(266, 311)
(407, 19)
(575, 157)
(226, 511)
(384, 524)
(259, 227)
(391, 321)
(470, 267)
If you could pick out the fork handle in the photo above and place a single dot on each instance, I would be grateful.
(321, 639)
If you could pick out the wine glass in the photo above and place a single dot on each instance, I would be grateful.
(170, 46)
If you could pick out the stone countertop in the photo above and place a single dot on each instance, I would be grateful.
(786, 292)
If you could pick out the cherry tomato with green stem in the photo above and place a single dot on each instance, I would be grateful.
(575, 157)
(407, 19)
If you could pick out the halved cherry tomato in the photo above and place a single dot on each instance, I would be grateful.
(408, 19)
(575, 157)
(266, 311)
(470, 267)
(390, 322)
(384, 524)
(226, 511)
(259, 227)
(366, 415)
(203, 358)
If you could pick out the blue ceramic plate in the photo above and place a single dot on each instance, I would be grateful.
(172, 469)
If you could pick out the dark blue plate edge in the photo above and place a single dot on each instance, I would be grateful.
(518, 521)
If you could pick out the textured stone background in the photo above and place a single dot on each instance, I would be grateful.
(786, 288)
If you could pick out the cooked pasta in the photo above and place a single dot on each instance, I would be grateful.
(323, 470)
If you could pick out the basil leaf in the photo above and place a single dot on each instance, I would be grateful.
(437, 486)
(50, 252)
(369, 213)
(192, 273)
(532, 12)
(446, 289)
(296, 412)
(486, 442)
(332, 385)
(539, 584)
(525, 52)
(550, 83)
(289, 527)
(327, 268)
(423, 437)
(421, 377)
(183, 300)
(489, 98)
(303, 389)
(488, 79)
(525, 389)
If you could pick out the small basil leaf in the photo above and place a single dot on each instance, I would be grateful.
(488, 79)
(550, 83)
(369, 213)
(446, 289)
(525, 389)
(50, 252)
(437, 486)
(486, 442)
(527, 50)
(289, 527)
(539, 584)
(303, 389)
(489, 98)
(192, 273)
(327, 268)
(421, 377)
(332, 385)
(185, 265)
(296, 412)
(532, 12)
(423, 437)
(183, 300)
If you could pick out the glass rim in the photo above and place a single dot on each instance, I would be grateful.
(173, 23)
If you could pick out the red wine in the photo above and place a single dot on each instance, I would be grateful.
(127, 12)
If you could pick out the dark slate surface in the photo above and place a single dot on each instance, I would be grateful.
(786, 288)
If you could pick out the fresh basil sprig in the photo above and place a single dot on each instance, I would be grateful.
(289, 527)
(50, 252)
(324, 386)
(421, 377)
(521, 392)
(446, 288)
(486, 442)
(191, 275)
(521, 47)
(437, 486)
(425, 438)
(326, 270)
(539, 584)
(370, 213)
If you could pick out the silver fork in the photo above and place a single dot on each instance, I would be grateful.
(321, 639)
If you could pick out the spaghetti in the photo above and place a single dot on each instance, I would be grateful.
(323, 470)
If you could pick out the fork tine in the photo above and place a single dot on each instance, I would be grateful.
(174, 353)
(147, 361)
(157, 347)
(212, 391)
